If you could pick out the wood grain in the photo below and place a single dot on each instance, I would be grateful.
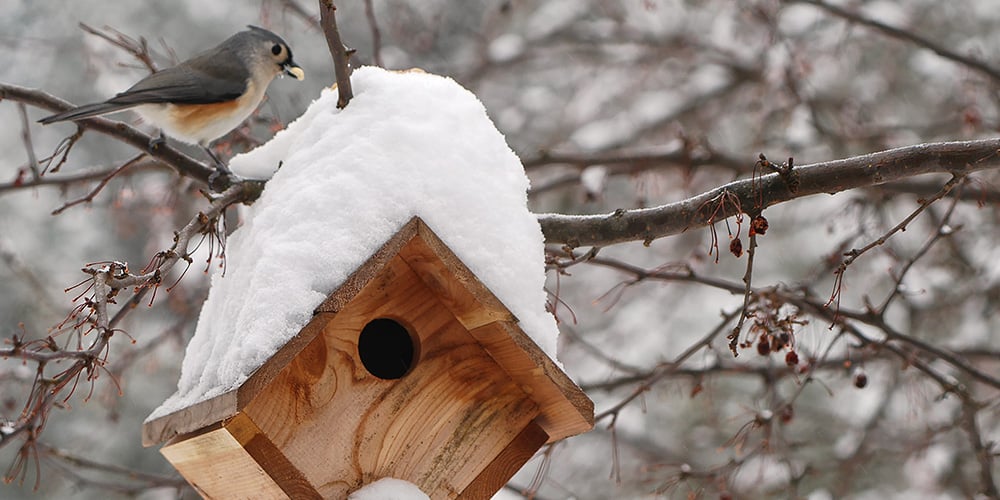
(190, 419)
(285, 475)
(439, 426)
(472, 303)
(565, 409)
(217, 466)
(508, 462)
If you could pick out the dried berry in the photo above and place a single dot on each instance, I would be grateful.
(791, 358)
(763, 347)
(696, 389)
(736, 247)
(758, 225)
(786, 414)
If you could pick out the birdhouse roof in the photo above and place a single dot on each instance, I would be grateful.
(564, 409)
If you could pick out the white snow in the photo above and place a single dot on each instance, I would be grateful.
(408, 144)
(594, 179)
(506, 47)
(389, 488)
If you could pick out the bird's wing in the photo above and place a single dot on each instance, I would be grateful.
(216, 76)
(191, 82)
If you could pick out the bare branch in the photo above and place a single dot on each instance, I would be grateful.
(901, 34)
(376, 34)
(106, 280)
(341, 55)
(301, 12)
(28, 146)
(137, 48)
(830, 177)
(633, 160)
(981, 448)
(91, 174)
(89, 197)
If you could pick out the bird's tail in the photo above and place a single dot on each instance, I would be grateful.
(85, 111)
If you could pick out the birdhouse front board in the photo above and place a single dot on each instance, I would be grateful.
(411, 369)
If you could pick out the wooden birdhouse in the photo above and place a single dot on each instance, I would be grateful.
(411, 369)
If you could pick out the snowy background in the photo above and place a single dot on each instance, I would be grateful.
(581, 79)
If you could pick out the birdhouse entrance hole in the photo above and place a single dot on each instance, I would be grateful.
(386, 349)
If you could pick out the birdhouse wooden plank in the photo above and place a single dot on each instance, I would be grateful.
(411, 369)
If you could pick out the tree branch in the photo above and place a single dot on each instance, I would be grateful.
(376, 34)
(873, 169)
(106, 280)
(341, 55)
(900, 34)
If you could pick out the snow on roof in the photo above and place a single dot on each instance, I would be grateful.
(408, 144)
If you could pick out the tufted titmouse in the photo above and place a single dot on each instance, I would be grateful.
(205, 97)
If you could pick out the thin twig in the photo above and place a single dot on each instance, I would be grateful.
(107, 279)
(855, 253)
(302, 13)
(901, 34)
(137, 48)
(734, 336)
(28, 146)
(150, 480)
(376, 34)
(63, 181)
(89, 197)
(982, 450)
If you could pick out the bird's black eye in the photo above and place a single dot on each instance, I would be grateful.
(276, 49)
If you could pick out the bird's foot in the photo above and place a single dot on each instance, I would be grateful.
(220, 172)
(157, 142)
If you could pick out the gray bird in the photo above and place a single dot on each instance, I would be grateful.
(205, 97)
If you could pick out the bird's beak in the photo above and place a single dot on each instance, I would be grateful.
(293, 70)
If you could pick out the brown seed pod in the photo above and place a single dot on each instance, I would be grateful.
(736, 247)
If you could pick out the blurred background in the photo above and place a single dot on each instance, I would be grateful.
(609, 105)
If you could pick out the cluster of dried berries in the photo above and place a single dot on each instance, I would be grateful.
(772, 332)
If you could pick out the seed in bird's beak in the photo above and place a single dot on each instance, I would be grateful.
(295, 72)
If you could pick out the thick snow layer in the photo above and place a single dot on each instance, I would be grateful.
(408, 144)
(389, 488)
